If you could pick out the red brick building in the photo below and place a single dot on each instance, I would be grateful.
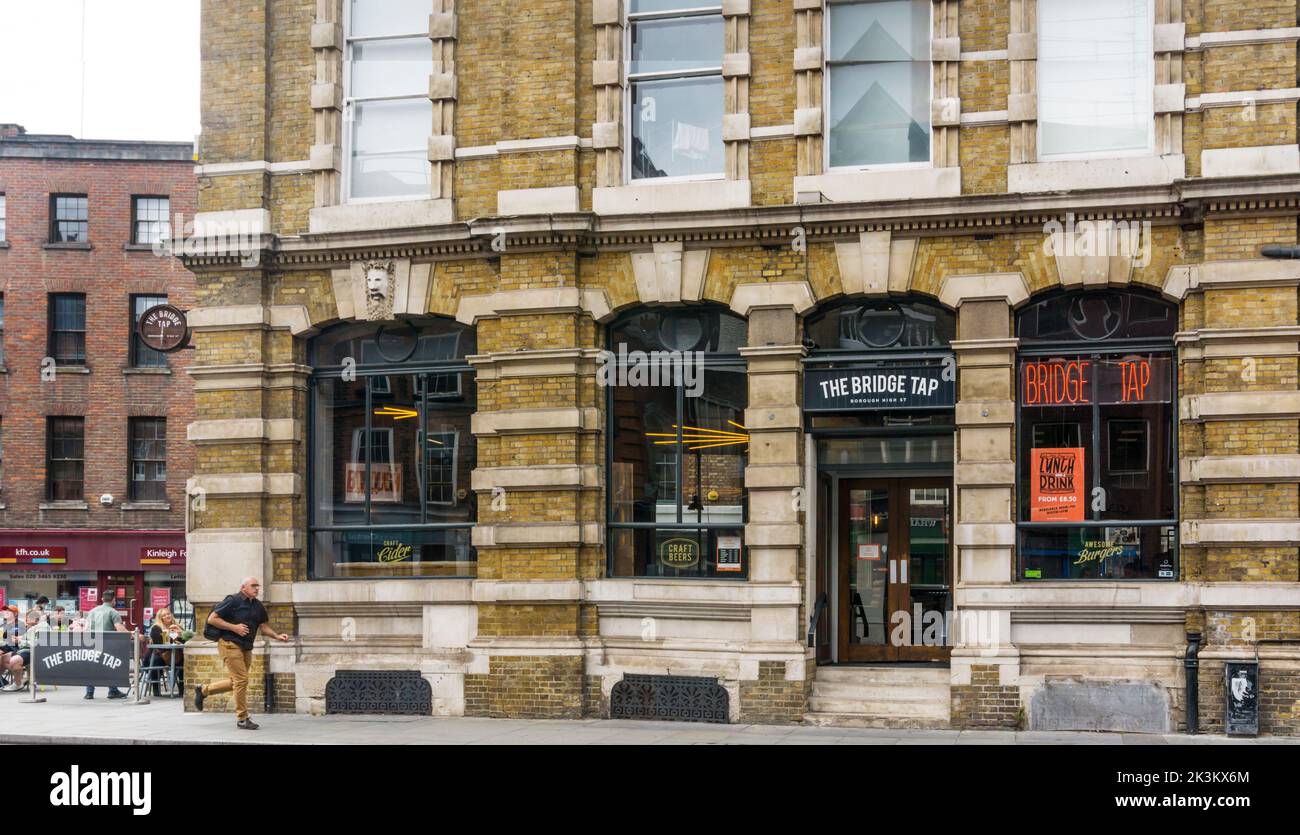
(93, 450)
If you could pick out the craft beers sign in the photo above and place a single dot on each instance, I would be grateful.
(1087, 381)
(1056, 492)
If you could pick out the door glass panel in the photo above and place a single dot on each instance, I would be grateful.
(868, 556)
(929, 526)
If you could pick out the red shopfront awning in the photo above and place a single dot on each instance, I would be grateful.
(65, 550)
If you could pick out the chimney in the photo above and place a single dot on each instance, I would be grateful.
(9, 131)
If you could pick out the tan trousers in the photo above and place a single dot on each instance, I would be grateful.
(237, 661)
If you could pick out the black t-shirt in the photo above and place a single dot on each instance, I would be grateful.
(239, 609)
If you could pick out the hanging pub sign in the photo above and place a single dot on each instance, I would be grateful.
(1070, 381)
(1241, 689)
(163, 328)
(677, 551)
(1056, 485)
(729, 549)
(918, 386)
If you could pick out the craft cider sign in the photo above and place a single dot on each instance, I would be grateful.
(1056, 489)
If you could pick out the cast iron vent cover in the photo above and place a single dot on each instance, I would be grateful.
(669, 698)
(398, 692)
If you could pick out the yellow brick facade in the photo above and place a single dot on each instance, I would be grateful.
(544, 631)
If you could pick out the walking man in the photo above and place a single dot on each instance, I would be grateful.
(105, 618)
(239, 618)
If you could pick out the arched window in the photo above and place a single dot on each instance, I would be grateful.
(676, 394)
(392, 450)
(1097, 439)
(881, 325)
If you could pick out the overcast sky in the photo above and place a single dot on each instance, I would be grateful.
(141, 64)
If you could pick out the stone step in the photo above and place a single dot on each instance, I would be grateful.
(924, 709)
(936, 675)
(868, 720)
(881, 692)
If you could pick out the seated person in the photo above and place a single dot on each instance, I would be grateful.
(10, 632)
(165, 630)
(21, 660)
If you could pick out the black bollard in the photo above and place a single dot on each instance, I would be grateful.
(1191, 666)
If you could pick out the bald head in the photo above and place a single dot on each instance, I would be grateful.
(250, 587)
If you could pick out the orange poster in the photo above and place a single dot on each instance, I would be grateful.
(1056, 487)
(385, 483)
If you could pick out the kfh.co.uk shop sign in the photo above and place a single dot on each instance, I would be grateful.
(33, 555)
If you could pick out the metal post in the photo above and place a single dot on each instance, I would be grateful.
(1191, 667)
(31, 675)
(268, 683)
(139, 680)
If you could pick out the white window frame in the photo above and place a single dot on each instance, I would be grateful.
(1150, 149)
(356, 439)
(422, 466)
(826, 101)
(701, 72)
(349, 110)
(4, 227)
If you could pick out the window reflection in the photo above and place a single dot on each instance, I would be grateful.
(393, 453)
(678, 451)
(1096, 460)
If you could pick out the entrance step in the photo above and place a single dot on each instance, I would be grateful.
(880, 697)
(867, 720)
(886, 674)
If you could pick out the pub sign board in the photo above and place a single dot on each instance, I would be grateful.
(98, 659)
(1241, 693)
(164, 328)
(918, 386)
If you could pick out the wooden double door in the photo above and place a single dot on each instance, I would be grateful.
(895, 569)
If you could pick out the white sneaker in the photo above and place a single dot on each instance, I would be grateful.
(11, 688)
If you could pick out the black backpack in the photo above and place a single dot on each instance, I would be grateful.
(214, 633)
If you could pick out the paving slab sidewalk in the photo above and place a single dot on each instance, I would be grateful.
(66, 718)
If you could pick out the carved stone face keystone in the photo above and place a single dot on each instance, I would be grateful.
(379, 278)
(376, 283)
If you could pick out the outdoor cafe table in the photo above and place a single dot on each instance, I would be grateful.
(176, 650)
